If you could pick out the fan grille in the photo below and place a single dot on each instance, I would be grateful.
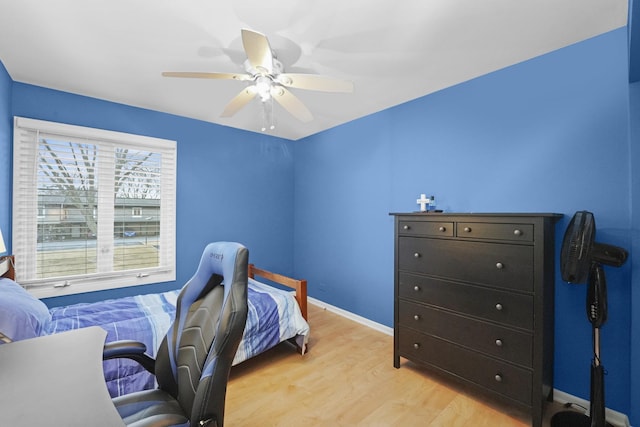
(575, 258)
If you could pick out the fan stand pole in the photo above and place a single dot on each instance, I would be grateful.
(597, 408)
(596, 313)
(596, 417)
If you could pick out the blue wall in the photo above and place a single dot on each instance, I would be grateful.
(6, 159)
(634, 357)
(546, 135)
(231, 185)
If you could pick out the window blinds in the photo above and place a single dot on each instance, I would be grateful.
(92, 209)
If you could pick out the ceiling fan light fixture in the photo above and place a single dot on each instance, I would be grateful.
(263, 86)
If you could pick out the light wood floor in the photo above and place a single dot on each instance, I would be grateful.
(347, 379)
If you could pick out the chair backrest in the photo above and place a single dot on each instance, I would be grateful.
(195, 357)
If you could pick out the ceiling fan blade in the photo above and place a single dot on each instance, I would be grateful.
(314, 82)
(258, 51)
(239, 101)
(231, 76)
(291, 103)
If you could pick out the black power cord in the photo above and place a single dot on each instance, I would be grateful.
(574, 405)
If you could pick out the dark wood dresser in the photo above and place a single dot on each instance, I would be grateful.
(474, 301)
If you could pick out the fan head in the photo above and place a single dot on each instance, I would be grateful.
(575, 256)
(580, 250)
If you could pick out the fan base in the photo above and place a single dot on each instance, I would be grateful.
(572, 419)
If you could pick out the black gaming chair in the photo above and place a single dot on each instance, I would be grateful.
(194, 359)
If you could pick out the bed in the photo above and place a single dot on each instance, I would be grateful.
(275, 316)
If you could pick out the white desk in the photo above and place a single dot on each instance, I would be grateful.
(56, 380)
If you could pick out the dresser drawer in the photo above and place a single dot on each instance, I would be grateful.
(494, 340)
(425, 228)
(499, 306)
(495, 375)
(501, 265)
(484, 230)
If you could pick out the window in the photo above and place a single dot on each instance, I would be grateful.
(78, 200)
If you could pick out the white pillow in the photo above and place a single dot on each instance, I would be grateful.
(22, 315)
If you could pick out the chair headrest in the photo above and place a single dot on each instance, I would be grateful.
(218, 258)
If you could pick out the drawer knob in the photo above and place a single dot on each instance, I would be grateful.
(498, 378)
(416, 345)
(467, 229)
(499, 265)
(416, 317)
(443, 229)
(416, 288)
(406, 227)
(499, 307)
(416, 255)
(517, 232)
(499, 342)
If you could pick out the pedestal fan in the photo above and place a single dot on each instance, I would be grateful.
(581, 261)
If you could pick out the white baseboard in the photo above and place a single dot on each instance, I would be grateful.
(344, 313)
(615, 418)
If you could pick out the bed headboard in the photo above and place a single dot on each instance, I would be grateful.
(300, 286)
(7, 267)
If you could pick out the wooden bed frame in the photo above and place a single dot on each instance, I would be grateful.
(7, 270)
(300, 286)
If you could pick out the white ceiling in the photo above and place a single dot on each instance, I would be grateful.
(393, 51)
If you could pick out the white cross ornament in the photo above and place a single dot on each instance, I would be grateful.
(423, 201)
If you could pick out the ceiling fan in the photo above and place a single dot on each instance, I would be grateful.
(268, 80)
